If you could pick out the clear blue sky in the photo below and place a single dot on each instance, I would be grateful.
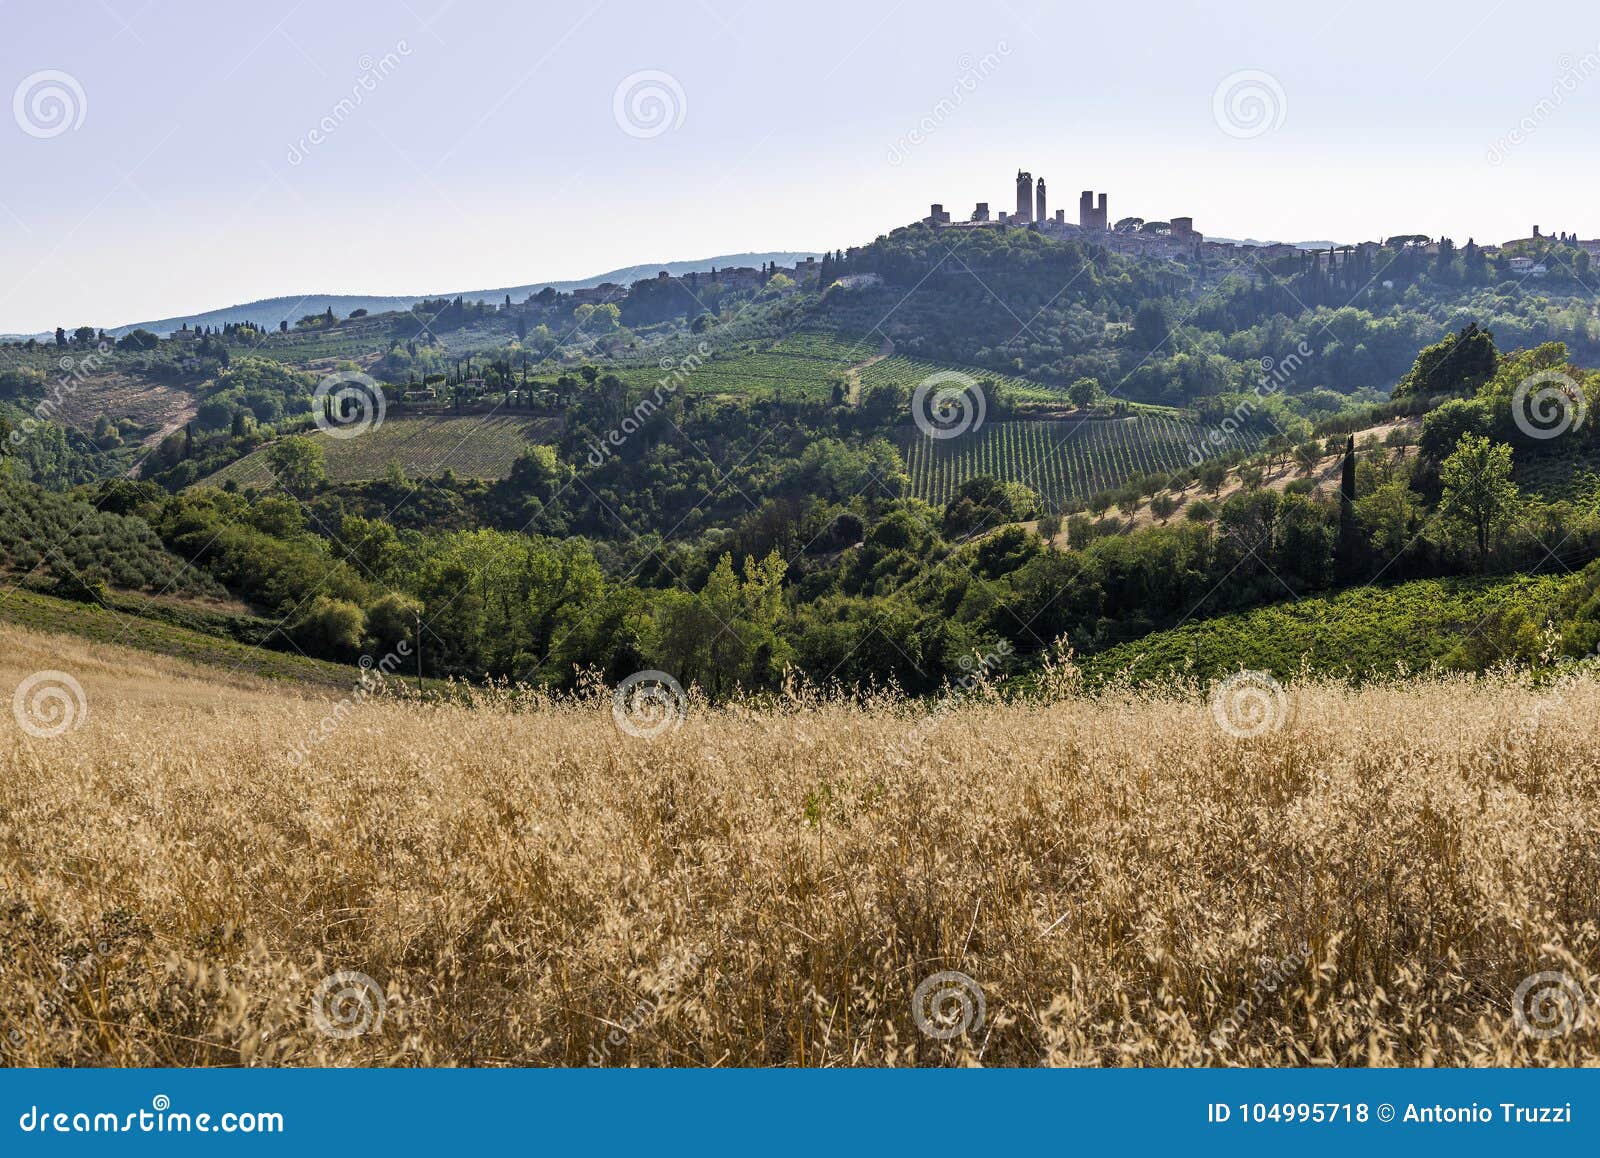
(491, 151)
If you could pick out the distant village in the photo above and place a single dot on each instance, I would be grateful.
(1177, 237)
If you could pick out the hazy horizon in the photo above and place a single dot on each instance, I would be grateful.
(163, 162)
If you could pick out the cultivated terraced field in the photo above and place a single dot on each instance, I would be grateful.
(804, 364)
(471, 445)
(1061, 460)
(808, 362)
(909, 372)
(360, 340)
(152, 405)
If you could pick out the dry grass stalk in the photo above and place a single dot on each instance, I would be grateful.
(1128, 884)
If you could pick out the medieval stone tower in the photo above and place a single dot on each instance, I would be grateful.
(1040, 215)
(1089, 215)
(1024, 197)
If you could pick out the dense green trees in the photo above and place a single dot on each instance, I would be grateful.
(1355, 325)
(52, 536)
(298, 465)
(1460, 363)
(1478, 491)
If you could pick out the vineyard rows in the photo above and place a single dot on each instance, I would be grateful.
(909, 372)
(1061, 460)
(807, 362)
(803, 364)
(473, 446)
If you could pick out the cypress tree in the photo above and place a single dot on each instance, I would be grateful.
(1349, 537)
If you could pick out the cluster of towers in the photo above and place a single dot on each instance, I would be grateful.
(1032, 206)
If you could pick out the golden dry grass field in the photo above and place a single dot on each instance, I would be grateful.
(1122, 881)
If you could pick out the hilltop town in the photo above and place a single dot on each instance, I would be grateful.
(1177, 239)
